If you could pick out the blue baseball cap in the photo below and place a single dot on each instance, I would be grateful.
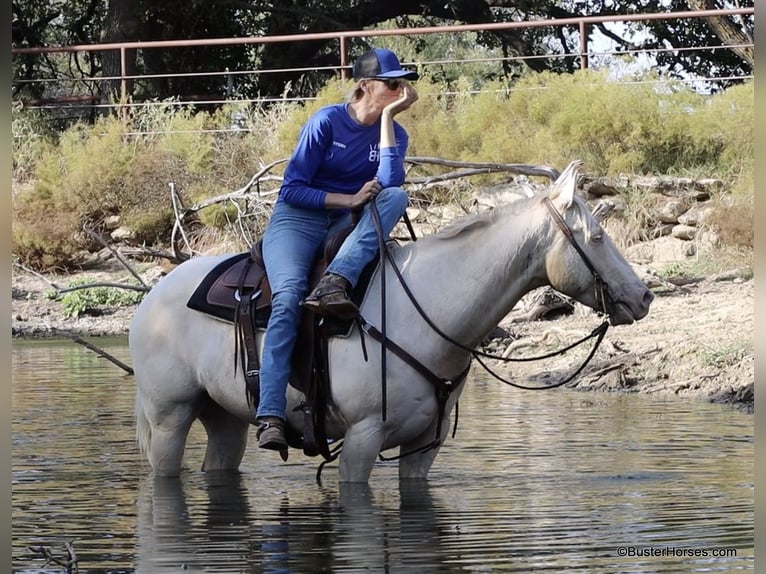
(380, 63)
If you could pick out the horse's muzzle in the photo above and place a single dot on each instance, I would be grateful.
(624, 313)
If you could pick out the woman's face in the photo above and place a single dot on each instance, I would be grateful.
(383, 92)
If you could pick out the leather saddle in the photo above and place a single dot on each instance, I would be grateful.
(237, 291)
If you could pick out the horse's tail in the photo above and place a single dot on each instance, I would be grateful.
(143, 428)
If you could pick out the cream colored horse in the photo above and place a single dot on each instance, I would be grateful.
(467, 278)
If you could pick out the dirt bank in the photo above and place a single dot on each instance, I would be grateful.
(697, 340)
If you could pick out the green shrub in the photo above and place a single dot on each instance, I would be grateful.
(31, 138)
(643, 127)
(90, 300)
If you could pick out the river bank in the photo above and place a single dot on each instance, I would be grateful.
(696, 342)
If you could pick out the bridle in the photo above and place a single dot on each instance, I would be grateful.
(602, 289)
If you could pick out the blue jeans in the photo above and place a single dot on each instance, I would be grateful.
(291, 245)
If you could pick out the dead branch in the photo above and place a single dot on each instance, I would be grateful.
(476, 168)
(178, 224)
(80, 341)
(140, 288)
(149, 251)
(116, 254)
(238, 194)
(38, 275)
(243, 192)
(70, 562)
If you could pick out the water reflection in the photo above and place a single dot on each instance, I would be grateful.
(533, 482)
(174, 534)
(216, 529)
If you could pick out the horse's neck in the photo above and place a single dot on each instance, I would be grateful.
(476, 277)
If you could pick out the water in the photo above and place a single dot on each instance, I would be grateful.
(555, 481)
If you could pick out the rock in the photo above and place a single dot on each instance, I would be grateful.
(685, 232)
(696, 215)
(671, 210)
(661, 250)
(122, 234)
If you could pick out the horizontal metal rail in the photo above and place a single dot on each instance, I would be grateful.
(581, 22)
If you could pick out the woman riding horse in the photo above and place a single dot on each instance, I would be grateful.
(347, 155)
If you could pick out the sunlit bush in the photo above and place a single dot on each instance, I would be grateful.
(124, 167)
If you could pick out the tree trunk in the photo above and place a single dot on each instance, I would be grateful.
(725, 29)
(122, 24)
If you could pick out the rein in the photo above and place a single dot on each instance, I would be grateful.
(442, 386)
(599, 332)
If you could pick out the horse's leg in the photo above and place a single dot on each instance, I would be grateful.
(361, 445)
(226, 438)
(416, 466)
(168, 428)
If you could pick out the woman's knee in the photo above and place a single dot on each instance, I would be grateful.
(394, 197)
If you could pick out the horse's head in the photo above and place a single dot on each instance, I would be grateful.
(584, 263)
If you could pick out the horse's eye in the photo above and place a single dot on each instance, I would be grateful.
(597, 237)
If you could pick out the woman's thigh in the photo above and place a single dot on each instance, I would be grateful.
(291, 242)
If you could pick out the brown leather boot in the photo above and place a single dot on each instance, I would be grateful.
(271, 434)
(330, 297)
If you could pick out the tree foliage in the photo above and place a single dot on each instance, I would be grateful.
(52, 23)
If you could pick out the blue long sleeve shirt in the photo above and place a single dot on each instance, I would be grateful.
(335, 154)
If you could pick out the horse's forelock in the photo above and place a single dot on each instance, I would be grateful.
(582, 217)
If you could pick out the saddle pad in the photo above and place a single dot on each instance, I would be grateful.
(198, 300)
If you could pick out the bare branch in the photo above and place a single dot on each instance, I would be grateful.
(140, 288)
(70, 563)
(36, 274)
(474, 168)
(159, 253)
(80, 341)
(178, 225)
(117, 256)
(243, 192)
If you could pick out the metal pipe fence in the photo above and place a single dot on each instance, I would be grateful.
(585, 52)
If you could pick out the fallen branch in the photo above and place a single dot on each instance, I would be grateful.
(116, 254)
(178, 224)
(243, 192)
(476, 168)
(151, 252)
(80, 341)
(140, 288)
(38, 275)
(70, 562)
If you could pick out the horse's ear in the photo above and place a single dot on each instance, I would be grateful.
(564, 187)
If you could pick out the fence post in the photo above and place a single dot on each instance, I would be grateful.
(343, 73)
(123, 83)
(583, 45)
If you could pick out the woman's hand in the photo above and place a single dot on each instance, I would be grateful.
(368, 191)
(359, 199)
(408, 97)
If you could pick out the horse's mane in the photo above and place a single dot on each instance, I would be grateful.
(479, 220)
